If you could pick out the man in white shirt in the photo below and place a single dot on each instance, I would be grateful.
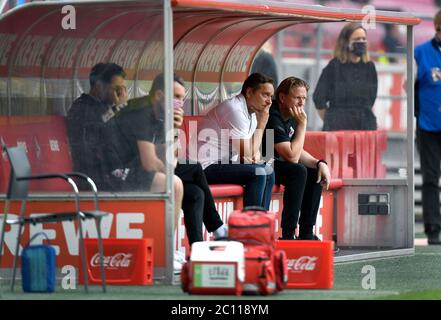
(230, 137)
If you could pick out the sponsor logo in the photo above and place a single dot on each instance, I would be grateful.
(118, 260)
(304, 263)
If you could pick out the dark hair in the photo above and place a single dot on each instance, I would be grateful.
(104, 72)
(291, 82)
(437, 19)
(254, 81)
(158, 83)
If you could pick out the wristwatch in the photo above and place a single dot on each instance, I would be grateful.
(318, 162)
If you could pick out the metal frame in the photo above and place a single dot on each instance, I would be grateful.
(410, 133)
(168, 85)
(2, 6)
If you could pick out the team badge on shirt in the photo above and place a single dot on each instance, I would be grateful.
(291, 132)
(436, 74)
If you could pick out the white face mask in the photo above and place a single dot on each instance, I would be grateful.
(177, 104)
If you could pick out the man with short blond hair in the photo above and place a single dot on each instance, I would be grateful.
(302, 175)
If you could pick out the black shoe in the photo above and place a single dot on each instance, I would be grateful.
(313, 237)
(433, 238)
(289, 239)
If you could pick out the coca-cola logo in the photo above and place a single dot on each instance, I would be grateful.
(118, 260)
(304, 263)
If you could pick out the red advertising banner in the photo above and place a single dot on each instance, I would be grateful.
(128, 219)
(132, 219)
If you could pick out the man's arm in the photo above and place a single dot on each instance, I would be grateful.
(262, 119)
(249, 149)
(243, 146)
(149, 159)
(151, 155)
(307, 159)
(323, 174)
(292, 151)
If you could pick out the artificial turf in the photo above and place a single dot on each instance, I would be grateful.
(409, 277)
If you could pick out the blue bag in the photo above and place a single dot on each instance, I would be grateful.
(38, 267)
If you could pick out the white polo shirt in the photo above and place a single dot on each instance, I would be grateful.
(228, 120)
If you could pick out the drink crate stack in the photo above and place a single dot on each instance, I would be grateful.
(126, 261)
(310, 264)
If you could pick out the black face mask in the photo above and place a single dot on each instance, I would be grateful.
(358, 48)
(437, 41)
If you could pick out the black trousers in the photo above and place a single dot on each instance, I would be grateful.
(429, 146)
(198, 202)
(302, 194)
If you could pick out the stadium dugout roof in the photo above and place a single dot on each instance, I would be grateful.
(213, 41)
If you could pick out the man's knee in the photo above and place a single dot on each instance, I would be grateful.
(179, 187)
(193, 193)
(296, 170)
(198, 166)
(264, 170)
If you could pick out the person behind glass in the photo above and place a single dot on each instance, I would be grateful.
(230, 137)
(347, 88)
(97, 147)
(392, 42)
(91, 128)
(428, 113)
(302, 175)
(89, 140)
(265, 63)
(142, 125)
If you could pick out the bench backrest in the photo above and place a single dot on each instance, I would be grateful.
(46, 143)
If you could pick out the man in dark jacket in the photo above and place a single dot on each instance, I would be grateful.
(97, 148)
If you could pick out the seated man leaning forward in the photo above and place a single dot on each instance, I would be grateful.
(302, 175)
(230, 137)
(97, 146)
(142, 125)
(93, 136)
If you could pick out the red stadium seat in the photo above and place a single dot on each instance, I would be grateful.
(45, 140)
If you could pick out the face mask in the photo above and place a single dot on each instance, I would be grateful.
(438, 41)
(177, 104)
(358, 48)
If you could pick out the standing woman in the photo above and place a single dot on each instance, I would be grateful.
(347, 88)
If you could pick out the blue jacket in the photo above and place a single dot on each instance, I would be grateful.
(428, 59)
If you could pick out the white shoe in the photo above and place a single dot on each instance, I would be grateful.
(221, 233)
(178, 262)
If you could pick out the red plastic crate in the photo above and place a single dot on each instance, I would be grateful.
(310, 263)
(126, 261)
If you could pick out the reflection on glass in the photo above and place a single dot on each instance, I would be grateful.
(64, 114)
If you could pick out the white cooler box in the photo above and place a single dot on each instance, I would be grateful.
(215, 267)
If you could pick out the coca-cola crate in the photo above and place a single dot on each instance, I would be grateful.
(126, 261)
(310, 263)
